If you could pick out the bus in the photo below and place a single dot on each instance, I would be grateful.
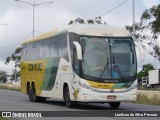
(88, 63)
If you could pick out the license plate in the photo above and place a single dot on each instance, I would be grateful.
(111, 97)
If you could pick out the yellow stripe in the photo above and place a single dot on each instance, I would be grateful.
(43, 36)
(101, 85)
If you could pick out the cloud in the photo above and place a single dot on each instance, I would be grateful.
(57, 15)
(150, 3)
(7, 68)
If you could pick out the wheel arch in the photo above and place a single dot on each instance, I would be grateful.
(65, 84)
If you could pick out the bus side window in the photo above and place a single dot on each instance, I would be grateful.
(75, 62)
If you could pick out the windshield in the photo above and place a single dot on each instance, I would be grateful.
(108, 58)
(122, 58)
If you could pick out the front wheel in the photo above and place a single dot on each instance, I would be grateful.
(67, 99)
(114, 105)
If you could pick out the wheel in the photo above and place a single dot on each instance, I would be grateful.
(67, 99)
(30, 96)
(114, 105)
(35, 98)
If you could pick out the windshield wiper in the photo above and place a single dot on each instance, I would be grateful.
(105, 67)
(117, 66)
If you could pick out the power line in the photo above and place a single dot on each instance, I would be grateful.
(17, 42)
(114, 8)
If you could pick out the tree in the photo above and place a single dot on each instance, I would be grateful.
(3, 76)
(147, 31)
(77, 20)
(13, 75)
(97, 20)
(144, 72)
(16, 57)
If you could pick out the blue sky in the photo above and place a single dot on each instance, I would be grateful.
(48, 17)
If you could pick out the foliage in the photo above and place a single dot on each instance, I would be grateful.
(144, 99)
(145, 70)
(147, 31)
(3, 76)
(16, 57)
(10, 87)
(147, 88)
(2, 118)
(97, 20)
(13, 75)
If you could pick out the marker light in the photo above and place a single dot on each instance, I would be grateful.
(135, 96)
(84, 95)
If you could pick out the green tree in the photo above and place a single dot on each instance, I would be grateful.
(3, 76)
(16, 57)
(13, 75)
(144, 72)
(147, 31)
(96, 20)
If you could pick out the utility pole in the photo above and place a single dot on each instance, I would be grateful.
(133, 10)
(33, 5)
(15, 77)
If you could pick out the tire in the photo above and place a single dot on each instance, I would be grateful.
(67, 99)
(30, 96)
(114, 105)
(35, 98)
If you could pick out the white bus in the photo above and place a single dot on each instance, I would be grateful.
(84, 63)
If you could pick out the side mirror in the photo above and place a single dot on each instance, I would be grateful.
(142, 54)
(78, 50)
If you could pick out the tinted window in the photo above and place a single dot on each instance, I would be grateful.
(72, 37)
(63, 52)
(45, 49)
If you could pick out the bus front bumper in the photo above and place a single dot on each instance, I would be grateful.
(86, 95)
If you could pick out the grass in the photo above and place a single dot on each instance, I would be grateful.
(3, 118)
(150, 89)
(143, 99)
(10, 88)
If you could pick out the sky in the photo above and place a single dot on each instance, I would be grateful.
(57, 15)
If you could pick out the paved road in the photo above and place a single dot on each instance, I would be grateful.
(16, 101)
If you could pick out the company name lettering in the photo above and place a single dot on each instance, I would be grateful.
(35, 67)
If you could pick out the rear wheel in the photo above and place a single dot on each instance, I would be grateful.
(114, 105)
(67, 99)
(35, 98)
(30, 96)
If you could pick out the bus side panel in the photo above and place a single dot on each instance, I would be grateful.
(66, 75)
(53, 83)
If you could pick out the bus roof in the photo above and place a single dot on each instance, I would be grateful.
(86, 29)
(98, 30)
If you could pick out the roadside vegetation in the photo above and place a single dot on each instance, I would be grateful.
(3, 118)
(143, 99)
(15, 88)
(148, 89)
